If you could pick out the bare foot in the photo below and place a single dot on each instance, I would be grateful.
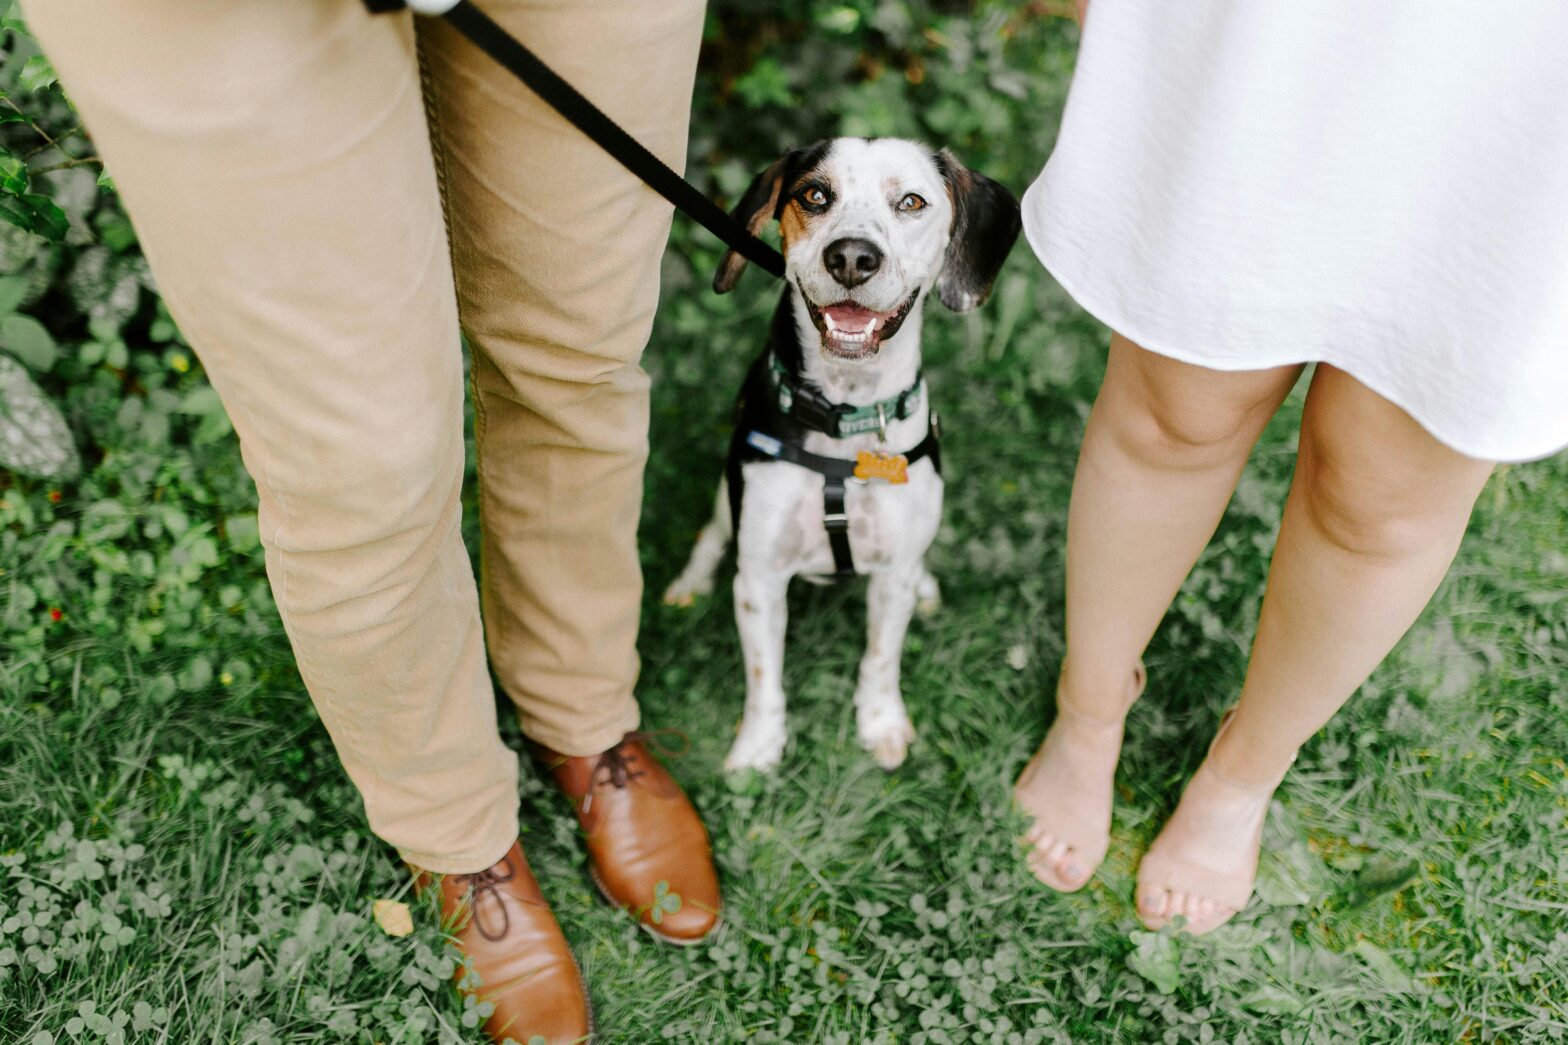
(1205, 859)
(1066, 789)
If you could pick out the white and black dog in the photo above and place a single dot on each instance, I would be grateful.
(833, 469)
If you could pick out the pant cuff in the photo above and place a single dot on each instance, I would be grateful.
(578, 743)
(476, 859)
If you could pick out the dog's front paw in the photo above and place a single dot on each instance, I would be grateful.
(759, 745)
(684, 593)
(886, 732)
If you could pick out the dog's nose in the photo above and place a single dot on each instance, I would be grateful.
(852, 261)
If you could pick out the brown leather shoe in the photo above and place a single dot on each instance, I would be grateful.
(501, 921)
(647, 849)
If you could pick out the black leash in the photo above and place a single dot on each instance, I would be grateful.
(577, 110)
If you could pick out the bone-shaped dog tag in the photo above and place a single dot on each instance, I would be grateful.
(892, 468)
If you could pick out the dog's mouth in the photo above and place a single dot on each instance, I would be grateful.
(850, 330)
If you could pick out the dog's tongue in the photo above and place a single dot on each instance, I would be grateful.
(850, 319)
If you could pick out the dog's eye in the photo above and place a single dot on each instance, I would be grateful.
(814, 198)
(912, 202)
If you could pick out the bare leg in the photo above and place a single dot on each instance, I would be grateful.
(1374, 517)
(1163, 449)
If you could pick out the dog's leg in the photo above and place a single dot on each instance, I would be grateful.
(928, 594)
(880, 718)
(696, 580)
(760, 615)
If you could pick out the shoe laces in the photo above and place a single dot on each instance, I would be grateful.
(617, 766)
(483, 884)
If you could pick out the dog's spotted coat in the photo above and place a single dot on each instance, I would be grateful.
(869, 229)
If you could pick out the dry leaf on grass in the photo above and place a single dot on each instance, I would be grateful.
(393, 917)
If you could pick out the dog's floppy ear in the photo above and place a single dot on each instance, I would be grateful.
(985, 226)
(762, 202)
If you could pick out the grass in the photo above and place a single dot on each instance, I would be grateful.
(182, 859)
(195, 867)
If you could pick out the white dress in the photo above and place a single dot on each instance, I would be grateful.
(1380, 185)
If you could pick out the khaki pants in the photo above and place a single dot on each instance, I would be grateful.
(275, 159)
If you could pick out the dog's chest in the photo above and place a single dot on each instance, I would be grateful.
(890, 524)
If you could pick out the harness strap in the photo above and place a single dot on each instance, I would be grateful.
(836, 474)
(762, 445)
(577, 110)
(835, 519)
(805, 403)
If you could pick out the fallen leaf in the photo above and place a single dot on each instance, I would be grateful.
(393, 917)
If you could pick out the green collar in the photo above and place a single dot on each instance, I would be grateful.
(804, 403)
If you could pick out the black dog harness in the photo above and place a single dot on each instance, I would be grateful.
(791, 399)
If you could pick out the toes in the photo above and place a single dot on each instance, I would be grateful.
(1214, 916)
(1064, 861)
(1056, 854)
(1159, 907)
(1055, 863)
(1041, 839)
(1191, 906)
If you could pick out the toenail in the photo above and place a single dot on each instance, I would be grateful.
(1074, 871)
(1150, 902)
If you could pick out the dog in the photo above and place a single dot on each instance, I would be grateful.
(834, 467)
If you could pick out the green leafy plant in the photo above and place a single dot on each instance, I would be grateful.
(34, 437)
(27, 73)
(664, 902)
(39, 140)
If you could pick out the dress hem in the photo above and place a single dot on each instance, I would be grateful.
(1114, 319)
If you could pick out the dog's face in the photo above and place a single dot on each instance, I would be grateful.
(868, 226)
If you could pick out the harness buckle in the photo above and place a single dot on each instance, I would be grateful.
(816, 411)
(836, 521)
(881, 424)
